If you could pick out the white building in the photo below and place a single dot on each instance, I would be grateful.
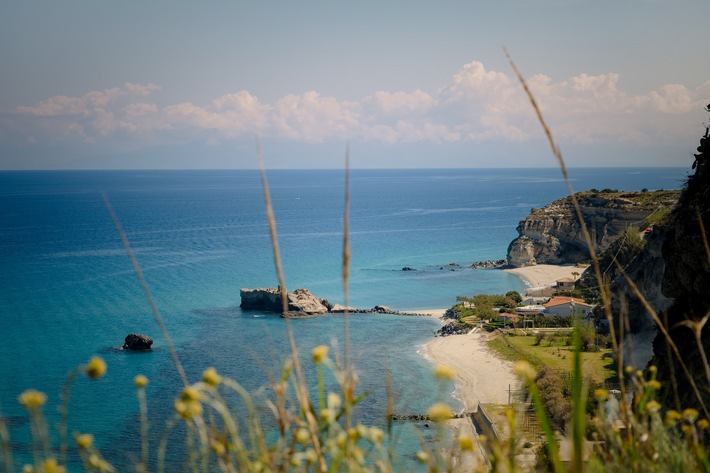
(567, 306)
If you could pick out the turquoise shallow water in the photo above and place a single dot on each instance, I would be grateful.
(68, 291)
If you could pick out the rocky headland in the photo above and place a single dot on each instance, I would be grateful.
(552, 234)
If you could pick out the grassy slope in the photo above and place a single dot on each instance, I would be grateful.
(557, 356)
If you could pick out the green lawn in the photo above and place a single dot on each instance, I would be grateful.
(557, 355)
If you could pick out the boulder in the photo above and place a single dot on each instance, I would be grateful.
(382, 309)
(300, 302)
(135, 341)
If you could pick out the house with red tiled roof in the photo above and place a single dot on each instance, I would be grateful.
(567, 306)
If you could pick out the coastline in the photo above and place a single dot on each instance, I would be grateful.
(543, 275)
(481, 375)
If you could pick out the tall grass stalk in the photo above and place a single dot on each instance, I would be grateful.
(5, 446)
(146, 290)
(301, 387)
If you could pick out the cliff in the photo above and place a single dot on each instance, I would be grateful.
(552, 234)
(686, 280)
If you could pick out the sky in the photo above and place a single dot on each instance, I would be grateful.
(400, 84)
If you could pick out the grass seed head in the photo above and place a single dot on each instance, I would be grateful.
(32, 399)
(84, 441)
(211, 377)
(96, 368)
(319, 353)
(140, 381)
(440, 412)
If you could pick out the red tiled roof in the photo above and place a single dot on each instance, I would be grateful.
(558, 300)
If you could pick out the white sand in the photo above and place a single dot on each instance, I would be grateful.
(543, 275)
(482, 376)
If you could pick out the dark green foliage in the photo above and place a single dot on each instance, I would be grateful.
(621, 252)
(551, 386)
(588, 334)
(483, 305)
(515, 296)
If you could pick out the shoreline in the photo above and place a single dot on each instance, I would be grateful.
(481, 375)
(544, 275)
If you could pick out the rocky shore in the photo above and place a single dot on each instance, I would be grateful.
(301, 303)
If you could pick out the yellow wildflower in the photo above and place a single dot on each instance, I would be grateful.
(50, 465)
(653, 406)
(333, 400)
(422, 456)
(319, 353)
(601, 395)
(466, 443)
(654, 384)
(188, 409)
(211, 377)
(96, 368)
(376, 435)
(190, 394)
(690, 415)
(310, 456)
(703, 424)
(440, 412)
(672, 417)
(444, 373)
(140, 381)
(84, 440)
(524, 370)
(32, 399)
(302, 436)
(218, 448)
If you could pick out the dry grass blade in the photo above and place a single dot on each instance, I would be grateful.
(603, 287)
(346, 253)
(669, 341)
(301, 386)
(146, 290)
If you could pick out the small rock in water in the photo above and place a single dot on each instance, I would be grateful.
(135, 341)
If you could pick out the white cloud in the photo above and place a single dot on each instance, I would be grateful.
(477, 106)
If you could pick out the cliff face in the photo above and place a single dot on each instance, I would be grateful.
(552, 234)
(686, 280)
(646, 270)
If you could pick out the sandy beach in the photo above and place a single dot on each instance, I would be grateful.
(543, 275)
(481, 375)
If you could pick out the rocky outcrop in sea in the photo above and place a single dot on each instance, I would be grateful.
(300, 302)
(137, 342)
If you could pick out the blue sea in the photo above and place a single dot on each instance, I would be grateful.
(68, 290)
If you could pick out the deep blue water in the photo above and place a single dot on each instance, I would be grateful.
(68, 290)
